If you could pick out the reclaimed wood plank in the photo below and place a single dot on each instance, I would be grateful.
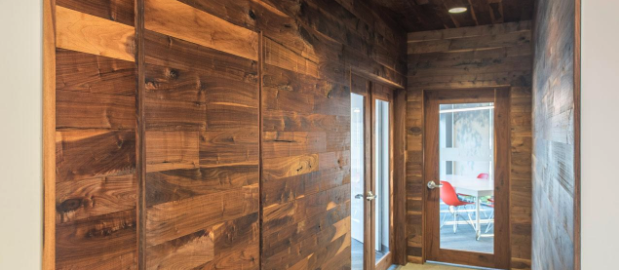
(121, 11)
(83, 154)
(182, 21)
(86, 33)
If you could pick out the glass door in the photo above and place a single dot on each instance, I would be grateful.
(381, 183)
(371, 176)
(467, 138)
(358, 179)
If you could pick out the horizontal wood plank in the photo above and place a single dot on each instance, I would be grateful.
(86, 33)
(182, 21)
(121, 11)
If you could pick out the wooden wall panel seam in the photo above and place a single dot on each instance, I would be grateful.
(141, 147)
(261, 145)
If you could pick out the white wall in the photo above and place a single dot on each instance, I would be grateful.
(600, 134)
(20, 134)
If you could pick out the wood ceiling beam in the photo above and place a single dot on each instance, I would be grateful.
(496, 8)
(473, 10)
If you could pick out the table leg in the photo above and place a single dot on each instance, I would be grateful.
(477, 218)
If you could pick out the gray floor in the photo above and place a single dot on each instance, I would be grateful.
(464, 238)
(356, 248)
(427, 266)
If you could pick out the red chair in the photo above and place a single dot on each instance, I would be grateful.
(483, 176)
(450, 198)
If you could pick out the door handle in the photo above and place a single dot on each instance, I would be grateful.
(432, 185)
(369, 197)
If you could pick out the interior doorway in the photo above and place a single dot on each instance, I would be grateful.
(466, 169)
(371, 175)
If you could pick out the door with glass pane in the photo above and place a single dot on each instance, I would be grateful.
(371, 175)
(466, 169)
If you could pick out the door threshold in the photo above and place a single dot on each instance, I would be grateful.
(461, 265)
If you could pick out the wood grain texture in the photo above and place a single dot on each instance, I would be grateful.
(165, 173)
(182, 21)
(554, 168)
(202, 148)
(320, 30)
(121, 11)
(306, 164)
(94, 131)
(49, 135)
(86, 33)
(436, 66)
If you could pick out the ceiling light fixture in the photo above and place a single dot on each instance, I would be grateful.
(457, 10)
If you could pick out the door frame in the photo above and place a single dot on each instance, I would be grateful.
(382, 93)
(500, 259)
(372, 90)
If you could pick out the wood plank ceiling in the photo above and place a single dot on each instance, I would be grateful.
(424, 15)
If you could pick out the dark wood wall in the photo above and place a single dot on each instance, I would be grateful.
(554, 179)
(96, 180)
(496, 56)
(206, 134)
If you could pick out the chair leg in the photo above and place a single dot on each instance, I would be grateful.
(490, 224)
(443, 219)
(455, 219)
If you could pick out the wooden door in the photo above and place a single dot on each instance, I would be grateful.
(370, 101)
(467, 158)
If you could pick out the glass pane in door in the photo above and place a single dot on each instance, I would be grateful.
(382, 171)
(466, 141)
(357, 179)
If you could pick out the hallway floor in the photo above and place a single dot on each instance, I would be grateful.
(427, 266)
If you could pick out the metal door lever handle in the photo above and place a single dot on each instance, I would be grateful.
(369, 197)
(432, 185)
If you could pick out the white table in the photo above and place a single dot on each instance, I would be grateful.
(474, 187)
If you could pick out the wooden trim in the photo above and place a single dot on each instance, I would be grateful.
(141, 133)
(468, 96)
(385, 262)
(502, 178)
(368, 250)
(577, 171)
(260, 147)
(430, 157)
(49, 135)
(375, 78)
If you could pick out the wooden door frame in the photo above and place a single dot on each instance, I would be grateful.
(502, 162)
(367, 160)
(397, 108)
(383, 93)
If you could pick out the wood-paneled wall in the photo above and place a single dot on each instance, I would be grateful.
(467, 58)
(96, 180)
(206, 134)
(555, 186)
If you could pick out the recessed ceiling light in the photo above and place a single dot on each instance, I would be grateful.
(457, 10)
